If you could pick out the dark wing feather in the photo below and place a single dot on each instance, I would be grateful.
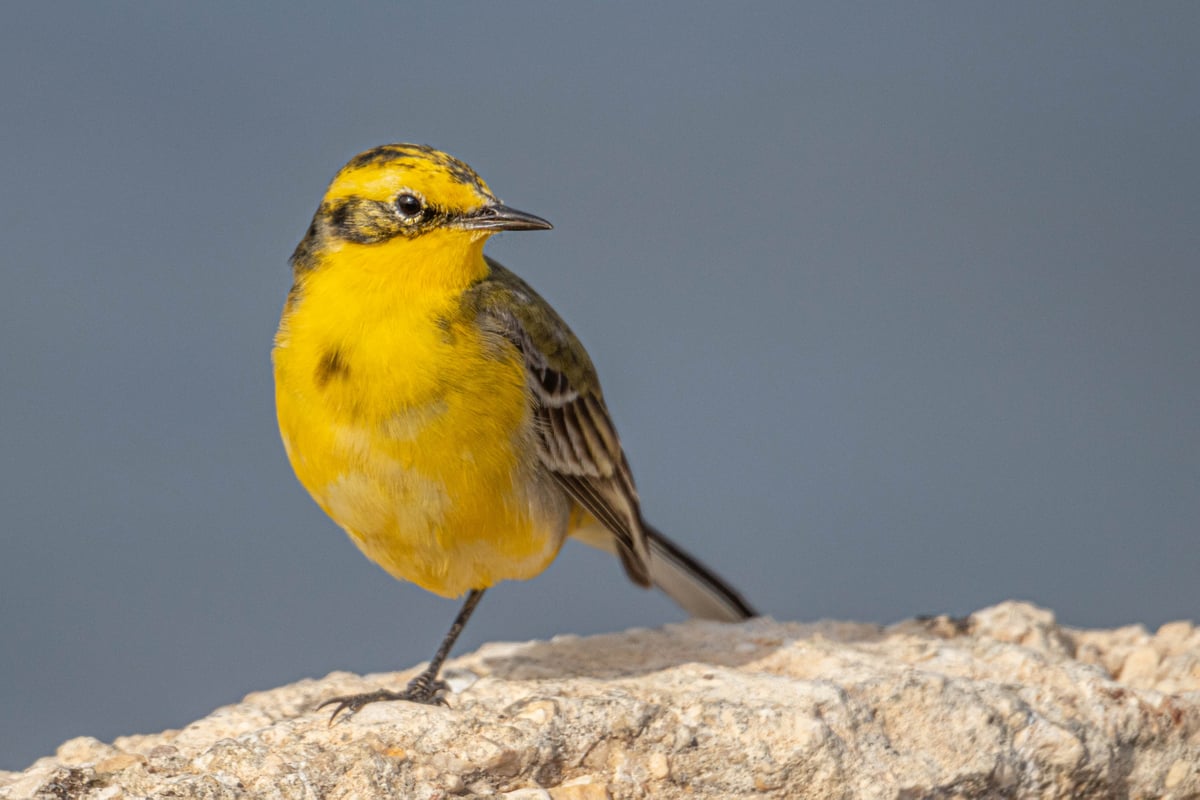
(577, 442)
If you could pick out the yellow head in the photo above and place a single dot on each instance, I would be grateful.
(406, 207)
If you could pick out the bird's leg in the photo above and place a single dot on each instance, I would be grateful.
(424, 688)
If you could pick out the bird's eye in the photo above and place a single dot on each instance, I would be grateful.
(409, 205)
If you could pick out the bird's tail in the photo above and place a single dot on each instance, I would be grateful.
(696, 588)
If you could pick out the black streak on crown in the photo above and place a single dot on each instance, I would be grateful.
(418, 152)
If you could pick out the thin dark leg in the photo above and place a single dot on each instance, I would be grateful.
(424, 688)
(460, 622)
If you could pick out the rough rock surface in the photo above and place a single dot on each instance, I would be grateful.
(1004, 703)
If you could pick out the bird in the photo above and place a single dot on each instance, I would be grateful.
(441, 412)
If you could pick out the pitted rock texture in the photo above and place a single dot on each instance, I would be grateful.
(1004, 703)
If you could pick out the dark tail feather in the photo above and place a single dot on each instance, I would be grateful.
(695, 587)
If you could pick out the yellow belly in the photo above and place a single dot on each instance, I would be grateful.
(418, 442)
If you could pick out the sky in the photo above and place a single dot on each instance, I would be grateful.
(894, 305)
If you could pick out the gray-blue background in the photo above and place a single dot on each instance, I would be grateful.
(896, 306)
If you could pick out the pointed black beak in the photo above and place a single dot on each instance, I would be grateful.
(497, 217)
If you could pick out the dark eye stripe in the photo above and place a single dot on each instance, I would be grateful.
(364, 221)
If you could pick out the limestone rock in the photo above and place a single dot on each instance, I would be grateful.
(1004, 703)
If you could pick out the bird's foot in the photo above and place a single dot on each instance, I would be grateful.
(425, 689)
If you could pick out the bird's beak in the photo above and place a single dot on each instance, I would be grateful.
(497, 217)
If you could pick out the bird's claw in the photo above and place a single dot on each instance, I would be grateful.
(423, 689)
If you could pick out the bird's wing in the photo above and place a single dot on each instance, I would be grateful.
(577, 442)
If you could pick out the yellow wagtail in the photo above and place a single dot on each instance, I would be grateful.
(440, 411)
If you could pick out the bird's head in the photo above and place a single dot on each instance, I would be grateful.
(399, 203)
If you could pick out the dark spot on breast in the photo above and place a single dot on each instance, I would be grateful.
(332, 365)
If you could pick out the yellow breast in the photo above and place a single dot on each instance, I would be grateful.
(413, 432)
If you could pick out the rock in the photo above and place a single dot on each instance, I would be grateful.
(1004, 703)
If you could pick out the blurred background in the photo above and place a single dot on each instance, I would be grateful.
(896, 307)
